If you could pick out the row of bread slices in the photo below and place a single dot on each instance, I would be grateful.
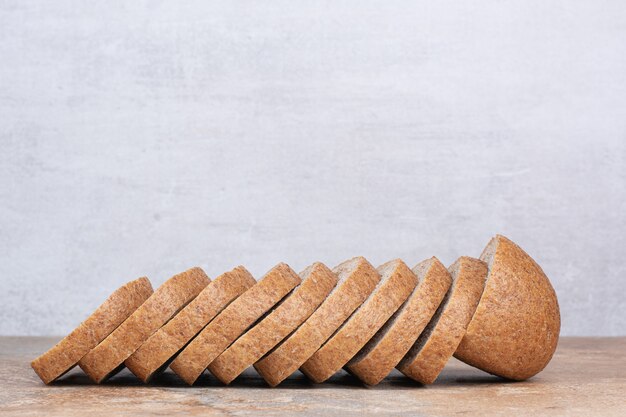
(498, 313)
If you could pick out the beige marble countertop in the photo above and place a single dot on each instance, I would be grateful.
(587, 377)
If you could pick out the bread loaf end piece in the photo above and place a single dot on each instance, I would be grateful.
(515, 329)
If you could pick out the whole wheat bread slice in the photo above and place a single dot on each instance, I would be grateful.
(107, 317)
(108, 356)
(233, 321)
(515, 329)
(356, 280)
(397, 282)
(154, 354)
(385, 350)
(317, 282)
(437, 343)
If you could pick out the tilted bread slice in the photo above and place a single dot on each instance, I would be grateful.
(435, 346)
(154, 354)
(385, 350)
(397, 282)
(317, 282)
(357, 279)
(65, 355)
(515, 329)
(233, 321)
(107, 357)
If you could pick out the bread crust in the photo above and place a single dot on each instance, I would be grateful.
(515, 329)
(107, 317)
(385, 350)
(397, 282)
(103, 360)
(437, 343)
(233, 321)
(357, 279)
(317, 283)
(155, 352)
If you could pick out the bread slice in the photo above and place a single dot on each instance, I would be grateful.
(233, 321)
(356, 280)
(397, 282)
(515, 329)
(385, 350)
(154, 354)
(437, 343)
(317, 282)
(65, 355)
(107, 357)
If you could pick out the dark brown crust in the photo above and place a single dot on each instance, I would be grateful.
(515, 329)
(65, 355)
(155, 352)
(437, 343)
(317, 283)
(166, 301)
(395, 286)
(357, 279)
(385, 350)
(233, 321)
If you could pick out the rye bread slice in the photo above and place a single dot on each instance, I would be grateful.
(385, 350)
(515, 329)
(108, 356)
(107, 317)
(317, 282)
(356, 280)
(397, 282)
(435, 346)
(233, 321)
(154, 354)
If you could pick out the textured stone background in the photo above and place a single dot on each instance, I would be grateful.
(147, 137)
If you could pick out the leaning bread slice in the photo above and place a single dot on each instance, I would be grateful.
(515, 329)
(103, 360)
(356, 280)
(383, 352)
(397, 282)
(65, 355)
(437, 343)
(155, 353)
(317, 282)
(233, 321)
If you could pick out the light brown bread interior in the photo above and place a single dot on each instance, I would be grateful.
(397, 282)
(317, 283)
(437, 343)
(108, 356)
(233, 321)
(356, 280)
(385, 350)
(107, 317)
(155, 353)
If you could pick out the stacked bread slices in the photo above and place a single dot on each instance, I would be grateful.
(498, 313)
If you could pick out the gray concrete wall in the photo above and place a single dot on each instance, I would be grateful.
(147, 137)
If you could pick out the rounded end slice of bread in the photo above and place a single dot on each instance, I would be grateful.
(515, 329)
